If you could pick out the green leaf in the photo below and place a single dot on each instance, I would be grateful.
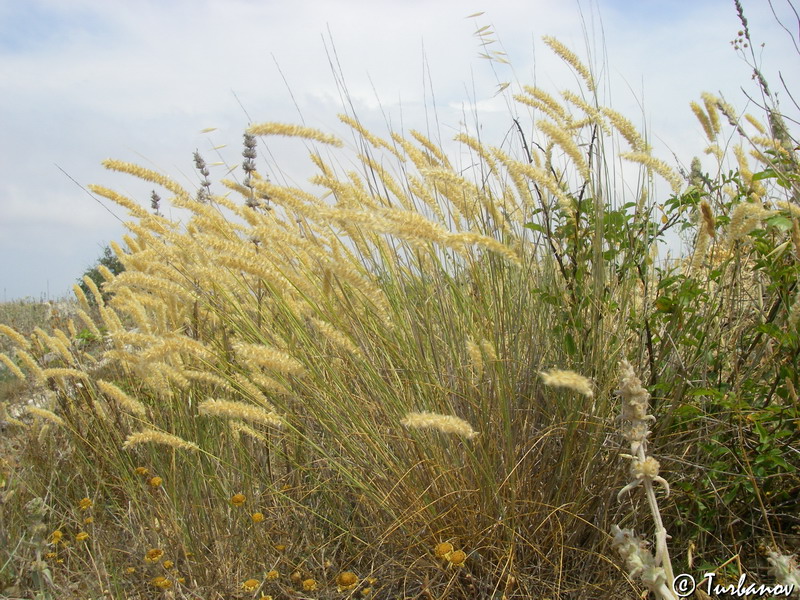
(713, 393)
(779, 222)
(535, 227)
(765, 174)
(569, 344)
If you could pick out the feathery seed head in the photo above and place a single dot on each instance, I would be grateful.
(45, 414)
(239, 410)
(12, 366)
(746, 217)
(293, 131)
(124, 400)
(443, 423)
(475, 357)
(15, 336)
(708, 218)
(572, 59)
(626, 129)
(151, 436)
(710, 103)
(568, 379)
(657, 166)
(704, 120)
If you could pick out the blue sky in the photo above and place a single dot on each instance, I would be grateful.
(85, 80)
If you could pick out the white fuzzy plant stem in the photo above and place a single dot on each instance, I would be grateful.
(656, 572)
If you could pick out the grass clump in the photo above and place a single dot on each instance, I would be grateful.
(371, 386)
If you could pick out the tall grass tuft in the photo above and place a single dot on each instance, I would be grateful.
(296, 384)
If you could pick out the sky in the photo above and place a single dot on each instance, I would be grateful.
(86, 80)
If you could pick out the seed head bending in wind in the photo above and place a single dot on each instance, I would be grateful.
(444, 423)
(568, 379)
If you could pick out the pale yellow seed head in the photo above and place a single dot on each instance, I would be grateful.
(572, 59)
(151, 436)
(710, 103)
(568, 379)
(12, 366)
(124, 400)
(475, 357)
(704, 120)
(656, 165)
(443, 423)
(239, 410)
(48, 415)
(298, 131)
(15, 336)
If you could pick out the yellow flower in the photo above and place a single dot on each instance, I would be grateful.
(51, 555)
(153, 555)
(155, 481)
(56, 536)
(272, 575)
(168, 564)
(130, 570)
(238, 499)
(181, 580)
(366, 592)
(309, 585)
(88, 520)
(142, 471)
(85, 504)
(346, 581)
(161, 582)
(296, 577)
(443, 550)
(265, 598)
(250, 585)
(257, 517)
(280, 547)
(82, 536)
(458, 558)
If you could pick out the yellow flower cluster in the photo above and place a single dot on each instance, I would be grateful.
(346, 581)
(446, 551)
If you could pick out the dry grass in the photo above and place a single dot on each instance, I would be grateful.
(395, 384)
